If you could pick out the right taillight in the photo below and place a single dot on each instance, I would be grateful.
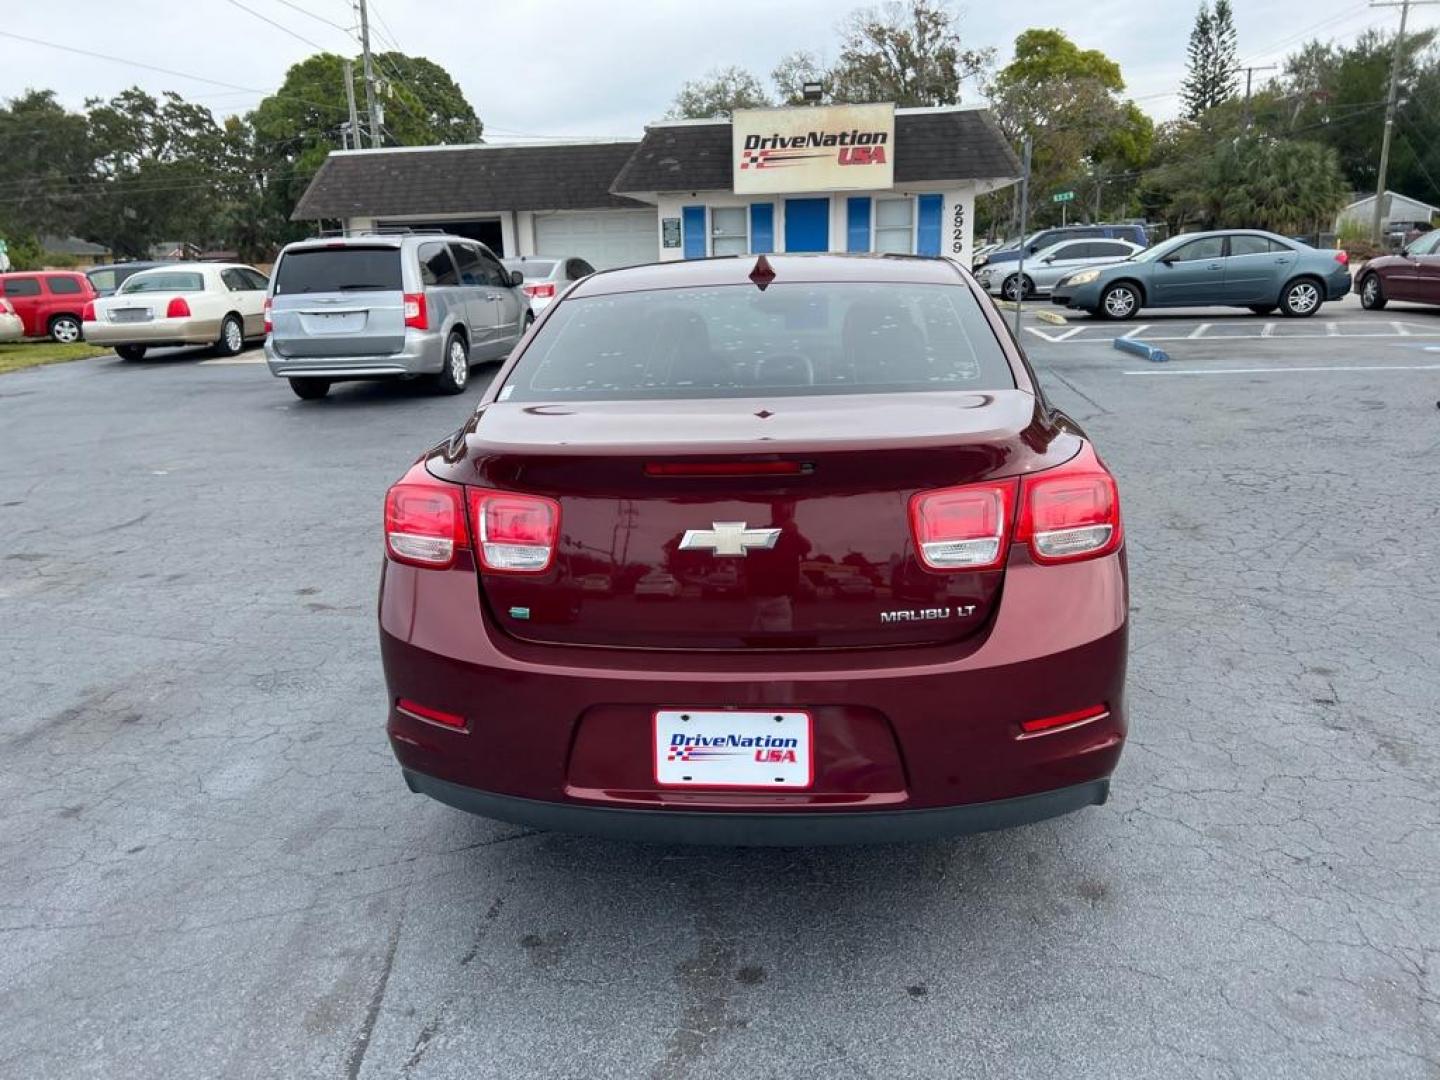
(514, 533)
(424, 520)
(416, 315)
(542, 291)
(88, 315)
(269, 325)
(1070, 512)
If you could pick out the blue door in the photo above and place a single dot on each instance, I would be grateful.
(807, 224)
(693, 223)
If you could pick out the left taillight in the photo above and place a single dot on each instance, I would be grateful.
(269, 326)
(542, 291)
(963, 528)
(178, 308)
(424, 521)
(1071, 512)
(1342, 257)
(515, 534)
(88, 315)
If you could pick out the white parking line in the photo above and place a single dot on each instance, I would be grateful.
(1400, 329)
(1198, 332)
(1267, 331)
(1290, 370)
(1138, 330)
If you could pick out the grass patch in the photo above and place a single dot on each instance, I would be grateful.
(26, 354)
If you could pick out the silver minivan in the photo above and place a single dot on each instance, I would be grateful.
(378, 306)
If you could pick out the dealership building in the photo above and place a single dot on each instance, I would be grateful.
(866, 178)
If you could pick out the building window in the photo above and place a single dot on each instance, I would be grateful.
(728, 232)
(894, 226)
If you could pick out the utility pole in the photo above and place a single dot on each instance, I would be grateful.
(1249, 73)
(1404, 6)
(1024, 215)
(369, 73)
(350, 100)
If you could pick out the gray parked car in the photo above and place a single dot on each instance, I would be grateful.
(1049, 265)
(386, 306)
(1234, 267)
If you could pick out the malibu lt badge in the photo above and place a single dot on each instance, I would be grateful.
(928, 614)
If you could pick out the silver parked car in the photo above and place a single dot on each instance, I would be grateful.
(547, 276)
(1049, 265)
(382, 306)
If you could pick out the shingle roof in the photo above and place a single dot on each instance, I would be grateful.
(464, 179)
(944, 144)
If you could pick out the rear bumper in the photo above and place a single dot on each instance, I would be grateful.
(422, 354)
(761, 828)
(931, 728)
(156, 332)
(1338, 285)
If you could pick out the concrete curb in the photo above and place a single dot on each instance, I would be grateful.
(1043, 314)
(1153, 353)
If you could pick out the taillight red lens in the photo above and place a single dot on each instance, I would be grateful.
(268, 325)
(1070, 512)
(963, 528)
(542, 291)
(88, 315)
(516, 533)
(416, 315)
(1343, 258)
(178, 308)
(424, 520)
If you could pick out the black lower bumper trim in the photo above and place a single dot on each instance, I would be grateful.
(800, 829)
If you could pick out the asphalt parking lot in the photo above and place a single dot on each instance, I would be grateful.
(210, 867)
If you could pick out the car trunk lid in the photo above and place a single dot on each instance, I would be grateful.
(775, 524)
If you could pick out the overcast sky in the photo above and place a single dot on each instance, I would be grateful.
(589, 68)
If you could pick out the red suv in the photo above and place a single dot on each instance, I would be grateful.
(49, 302)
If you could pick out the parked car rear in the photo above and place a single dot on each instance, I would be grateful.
(216, 304)
(546, 276)
(50, 303)
(390, 306)
(11, 328)
(784, 550)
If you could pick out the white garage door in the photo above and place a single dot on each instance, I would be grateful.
(603, 238)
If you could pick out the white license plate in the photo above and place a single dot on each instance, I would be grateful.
(712, 748)
(130, 314)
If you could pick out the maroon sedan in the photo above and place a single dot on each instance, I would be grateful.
(1413, 274)
(780, 551)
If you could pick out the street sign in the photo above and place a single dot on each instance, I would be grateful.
(1062, 196)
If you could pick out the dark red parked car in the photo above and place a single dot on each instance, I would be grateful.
(1413, 274)
(51, 303)
(789, 551)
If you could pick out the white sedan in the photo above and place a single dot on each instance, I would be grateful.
(11, 326)
(217, 304)
(1049, 265)
(547, 276)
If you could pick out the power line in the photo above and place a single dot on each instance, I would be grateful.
(278, 26)
(317, 18)
(131, 63)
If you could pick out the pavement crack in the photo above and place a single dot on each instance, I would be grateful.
(356, 1058)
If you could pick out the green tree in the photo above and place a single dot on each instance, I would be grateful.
(718, 93)
(907, 52)
(792, 73)
(1212, 74)
(1084, 135)
(45, 164)
(293, 130)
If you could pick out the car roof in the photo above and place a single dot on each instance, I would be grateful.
(143, 264)
(370, 240)
(42, 273)
(736, 270)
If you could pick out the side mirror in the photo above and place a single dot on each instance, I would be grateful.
(1032, 249)
(516, 277)
(1048, 259)
(1169, 260)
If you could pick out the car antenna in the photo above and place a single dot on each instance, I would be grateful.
(763, 273)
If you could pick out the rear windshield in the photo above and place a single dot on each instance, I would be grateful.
(531, 268)
(339, 270)
(737, 341)
(164, 281)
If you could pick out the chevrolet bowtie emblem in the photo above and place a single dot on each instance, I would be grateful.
(731, 538)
